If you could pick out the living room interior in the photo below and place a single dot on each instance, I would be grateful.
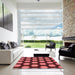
(37, 37)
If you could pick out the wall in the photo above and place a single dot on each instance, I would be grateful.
(39, 6)
(68, 18)
(6, 35)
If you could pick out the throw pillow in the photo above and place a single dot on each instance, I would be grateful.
(0, 45)
(72, 48)
(71, 45)
(13, 44)
(9, 46)
(3, 45)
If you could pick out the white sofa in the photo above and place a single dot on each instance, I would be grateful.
(9, 55)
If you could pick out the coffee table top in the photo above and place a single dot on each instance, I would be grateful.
(39, 51)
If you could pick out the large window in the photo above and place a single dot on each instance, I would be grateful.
(40, 24)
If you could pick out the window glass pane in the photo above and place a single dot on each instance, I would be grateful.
(41, 23)
(40, 34)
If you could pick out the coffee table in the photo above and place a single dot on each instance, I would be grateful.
(41, 53)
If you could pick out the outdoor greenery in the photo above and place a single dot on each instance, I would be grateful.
(40, 43)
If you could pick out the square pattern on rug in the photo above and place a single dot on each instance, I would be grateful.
(37, 62)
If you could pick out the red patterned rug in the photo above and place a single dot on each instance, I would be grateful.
(37, 62)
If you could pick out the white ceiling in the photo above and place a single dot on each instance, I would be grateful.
(42, 4)
(29, 1)
(39, 6)
(34, 4)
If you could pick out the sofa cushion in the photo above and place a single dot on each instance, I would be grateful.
(0, 45)
(17, 51)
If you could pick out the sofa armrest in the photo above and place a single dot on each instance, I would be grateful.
(6, 57)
